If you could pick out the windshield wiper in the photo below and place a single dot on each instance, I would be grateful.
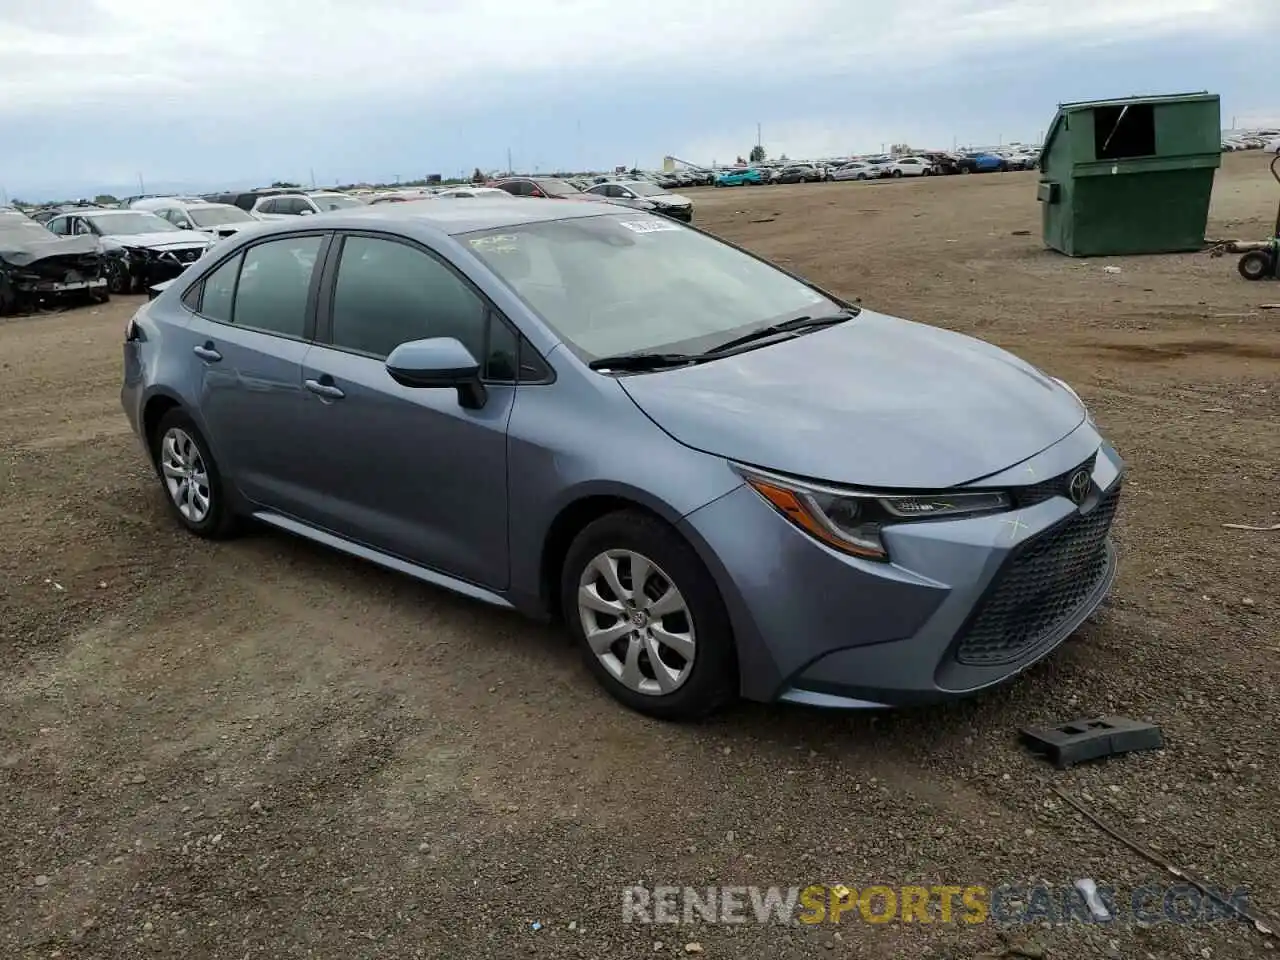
(644, 361)
(786, 326)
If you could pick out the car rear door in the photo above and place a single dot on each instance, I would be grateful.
(408, 471)
(253, 320)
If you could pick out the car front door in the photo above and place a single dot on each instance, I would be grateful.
(253, 318)
(408, 471)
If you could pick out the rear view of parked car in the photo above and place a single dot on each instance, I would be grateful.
(38, 267)
(607, 418)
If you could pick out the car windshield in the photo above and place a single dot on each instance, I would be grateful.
(128, 224)
(557, 188)
(627, 283)
(335, 201)
(644, 189)
(216, 216)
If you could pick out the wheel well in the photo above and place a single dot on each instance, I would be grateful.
(566, 526)
(154, 412)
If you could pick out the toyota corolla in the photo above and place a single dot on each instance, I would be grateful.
(724, 480)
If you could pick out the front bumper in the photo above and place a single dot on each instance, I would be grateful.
(966, 604)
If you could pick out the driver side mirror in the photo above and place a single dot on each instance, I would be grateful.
(305, 212)
(438, 362)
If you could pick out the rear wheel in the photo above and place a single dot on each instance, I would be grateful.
(896, 173)
(648, 617)
(190, 478)
(966, 169)
(1257, 265)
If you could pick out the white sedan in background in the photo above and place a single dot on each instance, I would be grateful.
(909, 167)
(856, 170)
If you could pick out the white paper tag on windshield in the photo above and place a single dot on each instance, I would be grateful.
(649, 225)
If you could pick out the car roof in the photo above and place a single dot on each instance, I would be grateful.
(491, 213)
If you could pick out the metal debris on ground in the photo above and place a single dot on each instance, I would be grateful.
(1082, 740)
(1250, 526)
(1260, 922)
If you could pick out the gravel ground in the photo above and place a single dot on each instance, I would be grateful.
(260, 749)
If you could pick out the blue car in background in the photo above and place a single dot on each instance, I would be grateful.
(984, 163)
(740, 178)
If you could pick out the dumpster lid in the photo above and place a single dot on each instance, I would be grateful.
(1071, 106)
(1076, 106)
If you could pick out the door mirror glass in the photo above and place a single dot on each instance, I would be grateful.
(438, 362)
(305, 212)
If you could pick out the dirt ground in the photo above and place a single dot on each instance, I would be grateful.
(261, 749)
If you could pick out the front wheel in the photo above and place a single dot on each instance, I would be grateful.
(896, 174)
(190, 478)
(648, 617)
(119, 280)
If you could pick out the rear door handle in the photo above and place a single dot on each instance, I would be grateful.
(207, 352)
(324, 387)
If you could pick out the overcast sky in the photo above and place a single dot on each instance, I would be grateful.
(239, 92)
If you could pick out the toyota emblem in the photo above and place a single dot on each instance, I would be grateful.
(1078, 486)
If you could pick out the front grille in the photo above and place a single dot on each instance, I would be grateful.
(1034, 493)
(1040, 587)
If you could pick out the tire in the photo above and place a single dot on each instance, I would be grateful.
(966, 170)
(119, 280)
(8, 297)
(1257, 265)
(692, 686)
(896, 174)
(178, 448)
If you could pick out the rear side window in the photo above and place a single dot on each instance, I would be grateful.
(275, 281)
(219, 289)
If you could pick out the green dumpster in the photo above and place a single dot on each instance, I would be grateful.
(1130, 176)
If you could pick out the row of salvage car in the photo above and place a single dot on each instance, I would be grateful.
(84, 251)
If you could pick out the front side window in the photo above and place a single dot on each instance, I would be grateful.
(631, 282)
(267, 206)
(389, 293)
(60, 225)
(274, 283)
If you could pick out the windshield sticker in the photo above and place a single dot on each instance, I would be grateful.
(649, 225)
(501, 244)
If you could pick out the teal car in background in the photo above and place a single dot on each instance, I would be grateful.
(739, 178)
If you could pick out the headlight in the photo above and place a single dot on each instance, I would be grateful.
(851, 520)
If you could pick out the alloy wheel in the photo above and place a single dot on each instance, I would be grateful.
(186, 476)
(636, 622)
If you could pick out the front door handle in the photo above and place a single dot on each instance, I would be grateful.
(207, 352)
(324, 388)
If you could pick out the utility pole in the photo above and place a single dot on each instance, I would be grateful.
(313, 178)
(510, 168)
(759, 139)
(141, 188)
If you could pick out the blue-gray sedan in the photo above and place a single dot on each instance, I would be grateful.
(724, 479)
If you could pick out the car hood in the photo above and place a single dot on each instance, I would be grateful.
(669, 200)
(875, 401)
(161, 240)
(22, 250)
